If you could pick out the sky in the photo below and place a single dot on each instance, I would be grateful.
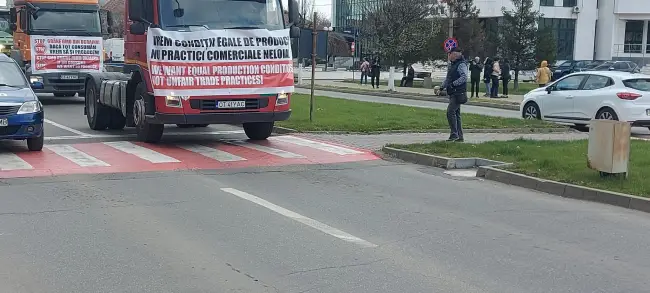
(322, 6)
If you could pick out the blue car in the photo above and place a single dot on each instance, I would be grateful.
(21, 113)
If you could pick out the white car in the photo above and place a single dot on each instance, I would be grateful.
(579, 97)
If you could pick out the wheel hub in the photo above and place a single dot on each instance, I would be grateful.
(138, 112)
(91, 102)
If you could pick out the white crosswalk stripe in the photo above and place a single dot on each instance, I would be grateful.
(141, 152)
(212, 153)
(11, 161)
(316, 145)
(76, 156)
(268, 150)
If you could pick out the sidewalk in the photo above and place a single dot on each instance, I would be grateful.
(514, 99)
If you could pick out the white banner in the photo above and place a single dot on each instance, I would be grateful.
(220, 62)
(65, 54)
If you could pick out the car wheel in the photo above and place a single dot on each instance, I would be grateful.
(35, 144)
(531, 111)
(606, 114)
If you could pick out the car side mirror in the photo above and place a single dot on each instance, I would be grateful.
(549, 89)
(137, 28)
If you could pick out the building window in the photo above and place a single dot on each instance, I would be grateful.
(633, 36)
(570, 3)
(547, 3)
(564, 31)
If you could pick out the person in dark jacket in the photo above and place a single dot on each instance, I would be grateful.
(456, 86)
(475, 69)
(505, 76)
(487, 72)
(374, 70)
(409, 76)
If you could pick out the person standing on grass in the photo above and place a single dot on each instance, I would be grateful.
(496, 73)
(505, 76)
(365, 70)
(543, 74)
(475, 69)
(456, 86)
(487, 73)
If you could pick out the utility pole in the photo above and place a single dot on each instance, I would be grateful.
(313, 65)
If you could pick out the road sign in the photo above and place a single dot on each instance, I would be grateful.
(449, 44)
(352, 46)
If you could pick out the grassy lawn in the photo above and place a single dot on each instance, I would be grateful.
(564, 161)
(332, 114)
(524, 87)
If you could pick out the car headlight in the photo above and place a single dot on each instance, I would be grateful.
(35, 78)
(30, 107)
(282, 99)
(173, 101)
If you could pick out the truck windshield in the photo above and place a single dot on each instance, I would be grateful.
(66, 21)
(223, 14)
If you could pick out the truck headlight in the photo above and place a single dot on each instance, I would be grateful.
(282, 99)
(35, 78)
(30, 107)
(173, 101)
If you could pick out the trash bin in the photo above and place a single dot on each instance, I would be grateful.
(609, 146)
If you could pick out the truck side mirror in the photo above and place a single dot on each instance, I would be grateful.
(294, 32)
(137, 28)
(13, 17)
(136, 10)
(293, 11)
(109, 22)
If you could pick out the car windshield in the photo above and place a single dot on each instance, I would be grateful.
(566, 64)
(605, 65)
(640, 84)
(66, 21)
(593, 64)
(12, 75)
(223, 14)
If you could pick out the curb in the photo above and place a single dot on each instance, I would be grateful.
(411, 96)
(490, 170)
(285, 130)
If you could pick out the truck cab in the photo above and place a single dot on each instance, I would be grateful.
(6, 34)
(57, 42)
(195, 63)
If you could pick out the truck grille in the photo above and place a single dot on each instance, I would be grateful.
(8, 110)
(210, 105)
(9, 130)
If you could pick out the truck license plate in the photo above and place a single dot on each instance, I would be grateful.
(231, 104)
(4, 122)
(69, 76)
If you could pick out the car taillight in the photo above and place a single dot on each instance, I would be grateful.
(628, 96)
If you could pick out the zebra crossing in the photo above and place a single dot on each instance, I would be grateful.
(128, 156)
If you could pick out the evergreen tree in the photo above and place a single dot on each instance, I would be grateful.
(467, 29)
(546, 46)
(519, 35)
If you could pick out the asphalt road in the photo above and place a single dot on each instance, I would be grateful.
(374, 226)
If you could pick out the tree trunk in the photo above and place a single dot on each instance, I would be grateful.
(516, 87)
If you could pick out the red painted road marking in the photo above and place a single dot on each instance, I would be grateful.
(117, 157)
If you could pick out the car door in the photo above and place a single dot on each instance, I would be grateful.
(591, 96)
(558, 102)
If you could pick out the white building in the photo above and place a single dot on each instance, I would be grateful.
(591, 29)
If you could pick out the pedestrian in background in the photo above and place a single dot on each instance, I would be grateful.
(496, 73)
(543, 74)
(505, 76)
(456, 86)
(375, 69)
(365, 70)
(487, 73)
(475, 69)
(409, 76)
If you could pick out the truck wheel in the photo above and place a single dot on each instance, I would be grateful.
(97, 114)
(118, 122)
(60, 95)
(258, 130)
(35, 144)
(146, 132)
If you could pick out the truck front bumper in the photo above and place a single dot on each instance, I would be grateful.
(52, 82)
(218, 118)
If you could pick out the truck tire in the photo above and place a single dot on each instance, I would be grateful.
(97, 114)
(35, 144)
(258, 130)
(146, 132)
(118, 122)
